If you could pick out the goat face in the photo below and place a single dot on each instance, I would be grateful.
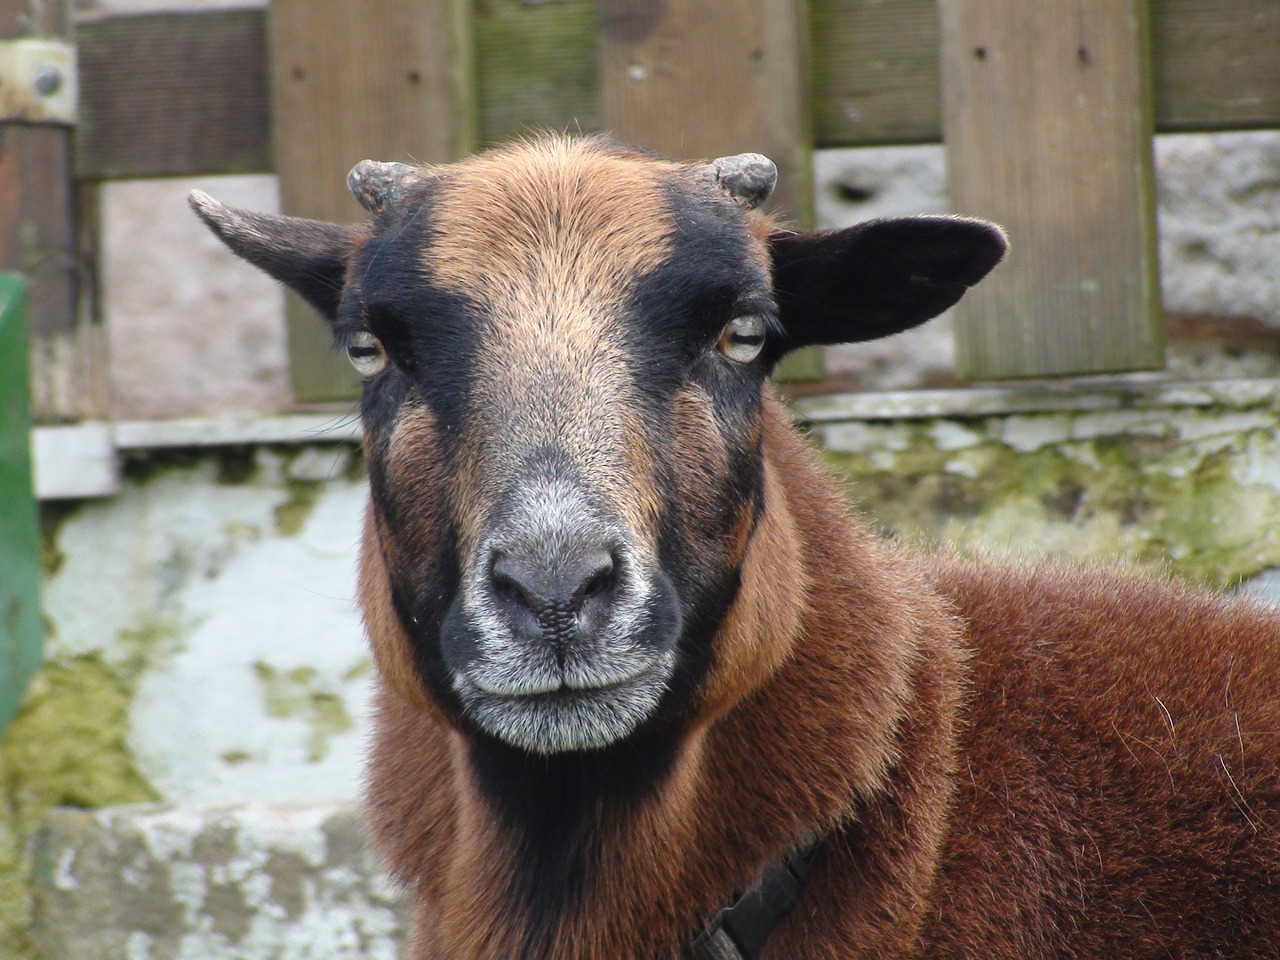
(566, 346)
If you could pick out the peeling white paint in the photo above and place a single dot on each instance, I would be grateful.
(1028, 434)
(949, 435)
(192, 576)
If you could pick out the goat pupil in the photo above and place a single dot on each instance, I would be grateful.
(366, 354)
(743, 338)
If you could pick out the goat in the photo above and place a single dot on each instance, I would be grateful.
(640, 664)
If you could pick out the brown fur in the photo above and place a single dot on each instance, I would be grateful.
(1004, 763)
(1001, 763)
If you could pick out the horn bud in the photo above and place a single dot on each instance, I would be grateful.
(376, 184)
(747, 178)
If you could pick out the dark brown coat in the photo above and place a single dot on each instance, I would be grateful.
(1000, 762)
(1005, 763)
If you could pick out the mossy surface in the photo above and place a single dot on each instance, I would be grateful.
(1174, 494)
(66, 747)
(300, 694)
(291, 515)
(70, 743)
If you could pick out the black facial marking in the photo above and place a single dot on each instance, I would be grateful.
(422, 607)
(566, 797)
(679, 309)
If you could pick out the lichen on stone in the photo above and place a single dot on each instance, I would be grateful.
(1184, 492)
(300, 693)
(67, 746)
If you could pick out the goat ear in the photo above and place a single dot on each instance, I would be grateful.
(309, 256)
(876, 278)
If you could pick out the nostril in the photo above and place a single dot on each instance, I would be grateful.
(601, 579)
(510, 581)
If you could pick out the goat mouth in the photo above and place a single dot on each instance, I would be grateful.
(563, 682)
(567, 718)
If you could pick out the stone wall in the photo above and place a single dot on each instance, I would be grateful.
(203, 646)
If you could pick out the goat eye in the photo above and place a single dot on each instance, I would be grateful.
(743, 338)
(366, 353)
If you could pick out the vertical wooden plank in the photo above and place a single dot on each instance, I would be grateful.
(536, 67)
(693, 80)
(21, 622)
(875, 71)
(38, 239)
(352, 80)
(1048, 122)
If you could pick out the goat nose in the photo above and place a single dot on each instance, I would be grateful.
(553, 590)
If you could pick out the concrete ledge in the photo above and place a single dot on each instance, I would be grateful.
(227, 882)
(1135, 391)
(83, 460)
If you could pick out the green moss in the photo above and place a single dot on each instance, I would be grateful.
(298, 694)
(148, 643)
(292, 515)
(354, 469)
(1143, 497)
(53, 514)
(236, 465)
(66, 747)
(143, 467)
(361, 668)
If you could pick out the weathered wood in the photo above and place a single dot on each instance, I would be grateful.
(1216, 64)
(38, 240)
(875, 68)
(691, 80)
(21, 621)
(173, 93)
(1047, 111)
(873, 71)
(350, 81)
(536, 67)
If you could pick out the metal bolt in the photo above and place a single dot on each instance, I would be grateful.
(48, 81)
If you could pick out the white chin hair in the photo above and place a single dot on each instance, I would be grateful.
(568, 721)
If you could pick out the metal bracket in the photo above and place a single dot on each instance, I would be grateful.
(39, 82)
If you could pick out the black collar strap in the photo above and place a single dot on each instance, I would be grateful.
(738, 931)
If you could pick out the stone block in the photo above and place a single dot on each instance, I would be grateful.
(228, 882)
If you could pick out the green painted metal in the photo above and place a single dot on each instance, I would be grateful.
(21, 622)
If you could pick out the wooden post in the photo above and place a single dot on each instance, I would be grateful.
(693, 80)
(21, 619)
(1048, 123)
(352, 80)
(38, 239)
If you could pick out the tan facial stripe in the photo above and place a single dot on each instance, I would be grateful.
(548, 211)
(550, 238)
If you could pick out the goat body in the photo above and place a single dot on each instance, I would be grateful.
(633, 646)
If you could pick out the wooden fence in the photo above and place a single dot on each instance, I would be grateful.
(1047, 110)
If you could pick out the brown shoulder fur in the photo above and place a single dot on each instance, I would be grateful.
(1119, 794)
